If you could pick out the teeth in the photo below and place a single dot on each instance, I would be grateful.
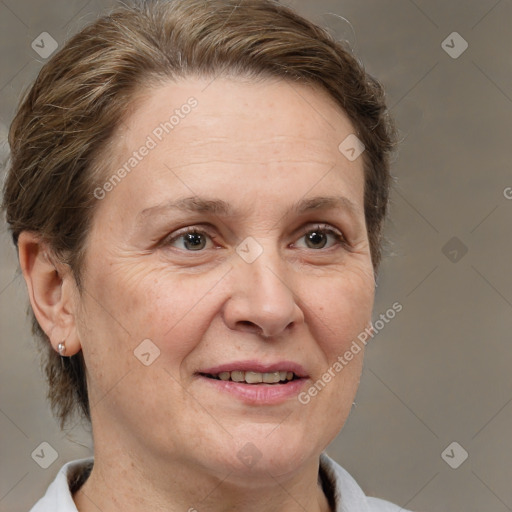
(253, 377)
(238, 376)
(271, 378)
(256, 377)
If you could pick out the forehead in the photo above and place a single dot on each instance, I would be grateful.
(270, 111)
(233, 134)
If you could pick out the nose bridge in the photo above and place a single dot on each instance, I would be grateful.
(265, 271)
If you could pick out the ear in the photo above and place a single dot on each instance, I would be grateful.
(52, 291)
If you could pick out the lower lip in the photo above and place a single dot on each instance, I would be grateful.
(258, 394)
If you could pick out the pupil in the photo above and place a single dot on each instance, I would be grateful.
(316, 238)
(193, 240)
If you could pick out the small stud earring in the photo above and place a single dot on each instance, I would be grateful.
(61, 348)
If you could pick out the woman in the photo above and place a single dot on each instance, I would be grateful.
(197, 191)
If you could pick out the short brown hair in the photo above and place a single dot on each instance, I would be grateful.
(71, 111)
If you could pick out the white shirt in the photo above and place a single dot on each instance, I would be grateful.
(348, 496)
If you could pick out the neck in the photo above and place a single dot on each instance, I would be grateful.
(121, 482)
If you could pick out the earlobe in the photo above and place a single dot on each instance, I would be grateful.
(50, 285)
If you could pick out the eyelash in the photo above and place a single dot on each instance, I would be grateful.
(325, 228)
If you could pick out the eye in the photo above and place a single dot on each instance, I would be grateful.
(193, 239)
(190, 239)
(317, 237)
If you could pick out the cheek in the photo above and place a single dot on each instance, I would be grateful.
(340, 311)
(136, 302)
(341, 308)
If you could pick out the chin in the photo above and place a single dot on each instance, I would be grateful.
(266, 453)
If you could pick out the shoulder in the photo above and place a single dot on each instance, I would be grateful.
(348, 495)
(58, 497)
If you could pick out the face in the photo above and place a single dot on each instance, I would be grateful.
(255, 275)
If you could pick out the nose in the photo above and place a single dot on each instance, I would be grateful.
(262, 298)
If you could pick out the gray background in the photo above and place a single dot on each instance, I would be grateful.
(439, 372)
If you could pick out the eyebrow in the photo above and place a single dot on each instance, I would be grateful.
(197, 204)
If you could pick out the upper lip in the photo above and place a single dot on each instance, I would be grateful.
(257, 366)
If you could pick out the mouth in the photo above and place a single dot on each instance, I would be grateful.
(253, 377)
(256, 383)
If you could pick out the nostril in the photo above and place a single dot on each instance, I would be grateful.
(251, 327)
